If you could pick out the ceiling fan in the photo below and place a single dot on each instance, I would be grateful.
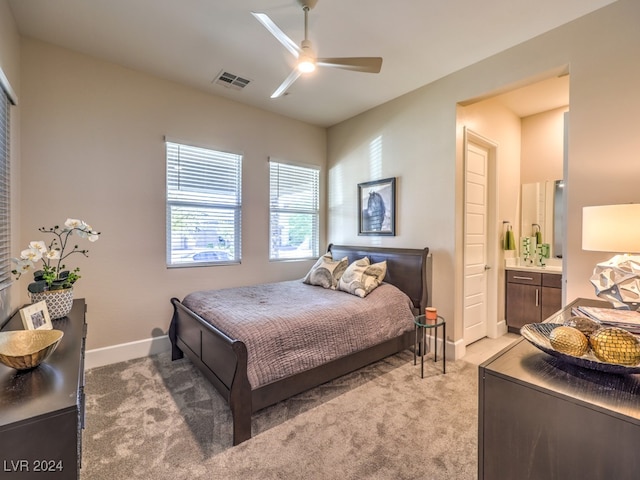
(305, 55)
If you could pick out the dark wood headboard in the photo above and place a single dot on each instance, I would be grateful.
(408, 269)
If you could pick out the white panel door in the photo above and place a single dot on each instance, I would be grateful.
(475, 243)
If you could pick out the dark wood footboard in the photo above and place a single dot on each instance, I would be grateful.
(221, 359)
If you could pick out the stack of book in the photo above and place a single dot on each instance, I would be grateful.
(610, 317)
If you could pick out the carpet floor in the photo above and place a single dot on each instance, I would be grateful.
(152, 418)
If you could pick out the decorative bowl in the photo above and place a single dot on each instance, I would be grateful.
(538, 335)
(26, 349)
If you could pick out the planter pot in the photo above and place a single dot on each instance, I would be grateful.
(59, 302)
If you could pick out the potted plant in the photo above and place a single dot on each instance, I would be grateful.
(53, 282)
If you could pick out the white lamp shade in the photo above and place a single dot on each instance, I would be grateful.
(611, 228)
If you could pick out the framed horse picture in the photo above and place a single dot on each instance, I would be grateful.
(377, 207)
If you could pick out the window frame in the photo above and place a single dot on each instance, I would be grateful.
(196, 198)
(314, 210)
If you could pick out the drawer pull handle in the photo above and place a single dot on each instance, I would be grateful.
(517, 277)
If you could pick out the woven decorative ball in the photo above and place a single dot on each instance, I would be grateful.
(586, 325)
(615, 345)
(569, 340)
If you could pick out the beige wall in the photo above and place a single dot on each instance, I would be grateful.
(422, 146)
(10, 65)
(92, 148)
(542, 146)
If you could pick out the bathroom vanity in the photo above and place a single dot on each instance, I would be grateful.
(532, 294)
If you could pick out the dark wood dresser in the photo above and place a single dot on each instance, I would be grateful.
(541, 418)
(42, 410)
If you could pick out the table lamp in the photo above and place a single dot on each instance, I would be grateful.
(615, 229)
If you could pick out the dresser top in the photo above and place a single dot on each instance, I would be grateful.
(617, 395)
(53, 385)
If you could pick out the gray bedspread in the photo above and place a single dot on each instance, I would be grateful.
(289, 327)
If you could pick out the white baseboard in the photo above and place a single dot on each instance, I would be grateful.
(498, 329)
(459, 349)
(99, 357)
(455, 350)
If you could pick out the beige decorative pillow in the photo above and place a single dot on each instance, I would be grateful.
(326, 272)
(361, 278)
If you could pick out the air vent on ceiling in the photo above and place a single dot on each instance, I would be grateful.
(230, 80)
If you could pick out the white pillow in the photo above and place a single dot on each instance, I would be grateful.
(326, 272)
(361, 278)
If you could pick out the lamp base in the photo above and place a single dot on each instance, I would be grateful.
(618, 281)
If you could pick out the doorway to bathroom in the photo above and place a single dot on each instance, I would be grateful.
(527, 123)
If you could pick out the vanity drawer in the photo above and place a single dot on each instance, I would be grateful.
(526, 278)
(552, 280)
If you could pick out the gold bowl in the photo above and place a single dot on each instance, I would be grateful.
(26, 349)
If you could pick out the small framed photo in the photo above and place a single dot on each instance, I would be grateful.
(36, 317)
(377, 207)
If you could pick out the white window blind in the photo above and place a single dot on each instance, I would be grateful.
(5, 194)
(294, 211)
(203, 205)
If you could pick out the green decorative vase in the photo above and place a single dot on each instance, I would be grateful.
(59, 302)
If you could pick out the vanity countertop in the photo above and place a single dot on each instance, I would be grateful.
(554, 265)
(532, 268)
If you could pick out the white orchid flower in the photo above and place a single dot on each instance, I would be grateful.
(31, 254)
(23, 265)
(87, 232)
(72, 223)
(52, 254)
(39, 245)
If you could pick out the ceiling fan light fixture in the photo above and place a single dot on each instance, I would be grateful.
(306, 59)
(306, 65)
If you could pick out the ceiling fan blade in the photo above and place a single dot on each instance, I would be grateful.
(356, 64)
(293, 76)
(289, 44)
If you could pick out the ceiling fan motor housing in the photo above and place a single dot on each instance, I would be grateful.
(307, 59)
(308, 3)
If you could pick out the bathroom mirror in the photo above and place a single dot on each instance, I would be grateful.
(542, 209)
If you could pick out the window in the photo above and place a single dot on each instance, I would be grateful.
(294, 211)
(203, 205)
(5, 206)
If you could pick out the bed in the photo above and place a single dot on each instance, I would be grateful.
(239, 366)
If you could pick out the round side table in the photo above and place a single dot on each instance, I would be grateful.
(421, 325)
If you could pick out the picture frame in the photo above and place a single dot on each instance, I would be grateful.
(377, 207)
(36, 317)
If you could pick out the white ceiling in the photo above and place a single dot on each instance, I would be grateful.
(192, 41)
